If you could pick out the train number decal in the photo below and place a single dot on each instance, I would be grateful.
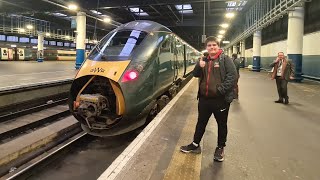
(97, 70)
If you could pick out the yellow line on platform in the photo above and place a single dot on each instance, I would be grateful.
(185, 166)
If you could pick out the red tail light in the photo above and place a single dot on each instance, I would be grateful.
(130, 75)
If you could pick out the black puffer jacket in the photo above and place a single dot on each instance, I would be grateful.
(228, 75)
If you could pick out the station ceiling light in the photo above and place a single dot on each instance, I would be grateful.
(29, 26)
(59, 14)
(230, 15)
(184, 8)
(224, 25)
(220, 36)
(73, 7)
(225, 42)
(67, 37)
(22, 30)
(48, 34)
(222, 32)
(96, 12)
(138, 11)
(107, 19)
(219, 39)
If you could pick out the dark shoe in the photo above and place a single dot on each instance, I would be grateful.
(286, 101)
(191, 148)
(219, 154)
(279, 101)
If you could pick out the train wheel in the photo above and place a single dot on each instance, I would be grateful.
(162, 102)
(159, 105)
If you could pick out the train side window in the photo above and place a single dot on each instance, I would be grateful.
(165, 46)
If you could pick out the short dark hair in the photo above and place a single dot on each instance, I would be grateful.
(211, 38)
(235, 56)
(280, 52)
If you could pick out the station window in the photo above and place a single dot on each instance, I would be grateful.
(34, 41)
(59, 44)
(12, 39)
(24, 40)
(52, 43)
(66, 44)
(2, 37)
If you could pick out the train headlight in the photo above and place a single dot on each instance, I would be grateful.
(130, 75)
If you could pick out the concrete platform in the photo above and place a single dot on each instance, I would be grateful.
(16, 73)
(266, 140)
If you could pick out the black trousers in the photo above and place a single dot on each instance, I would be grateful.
(282, 88)
(220, 109)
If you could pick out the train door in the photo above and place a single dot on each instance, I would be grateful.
(175, 58)
(4, 54)
(15, 55)
(21, 54)
(11, 54)
(165, 60)
(179, 63)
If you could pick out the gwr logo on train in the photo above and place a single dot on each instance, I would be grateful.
(97, 70)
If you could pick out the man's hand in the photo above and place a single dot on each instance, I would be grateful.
(277, 60)
(202, 63)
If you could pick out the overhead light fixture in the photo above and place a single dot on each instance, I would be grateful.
(72, 7)
(219, 39)
(13, 45)
(224, 25)
(22, 30)
(138, 11)
(230, 15)
(59, 14)
(96, 12)
(67, 37)
(29, 26)
(107, 19)
(225, 42)
(222, 32)
(220, 36)
(48, 34)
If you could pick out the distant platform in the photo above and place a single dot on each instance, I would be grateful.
(17, 73)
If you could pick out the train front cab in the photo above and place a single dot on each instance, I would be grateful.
(120, 82)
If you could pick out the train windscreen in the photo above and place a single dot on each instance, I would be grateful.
(117, 45)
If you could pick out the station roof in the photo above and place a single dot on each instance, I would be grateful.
(183, 17)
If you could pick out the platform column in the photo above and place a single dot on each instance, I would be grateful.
(243, 53)
(80, 39)
(40, 51)
(295, 40)
(229, 51)
(235, 49)
(256, 51)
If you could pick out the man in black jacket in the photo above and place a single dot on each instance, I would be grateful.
(217, 75)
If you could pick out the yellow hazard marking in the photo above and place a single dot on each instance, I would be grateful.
(120, 104)
(109, 69)
(185, 166)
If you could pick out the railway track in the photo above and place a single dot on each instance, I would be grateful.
(72, 149)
